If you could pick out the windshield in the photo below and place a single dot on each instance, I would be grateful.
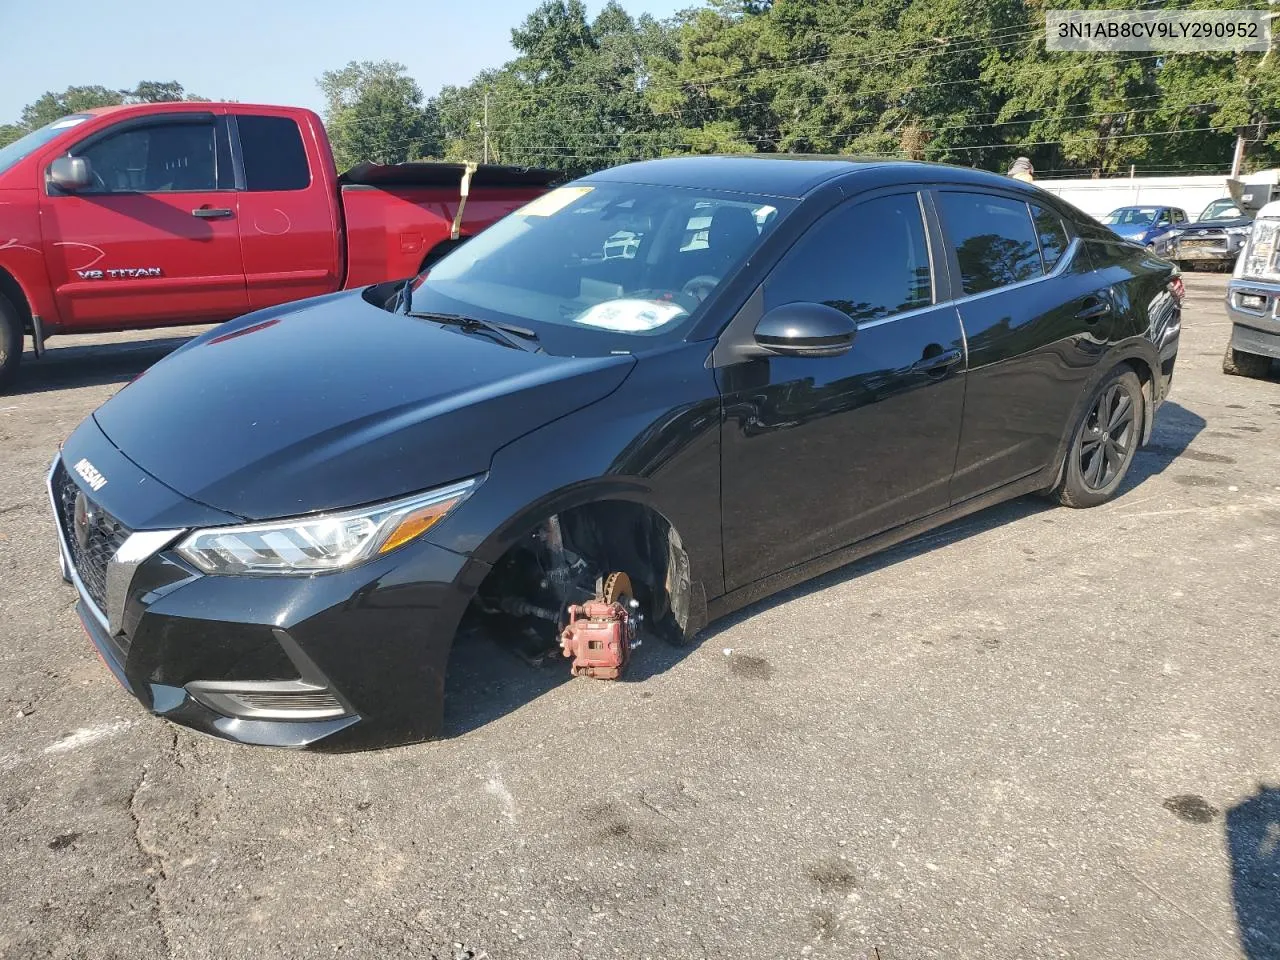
(1132, 217)
(11, 154)
(596, 268)
(1220, 209)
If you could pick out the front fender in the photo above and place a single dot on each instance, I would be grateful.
(655, 441)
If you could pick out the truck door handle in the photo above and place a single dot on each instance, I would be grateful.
(938, 362)
(211, 213)
(1094, 308)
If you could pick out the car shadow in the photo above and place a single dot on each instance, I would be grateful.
(1253, 843)
(90, 365)
(1175, 428)
(486, 681)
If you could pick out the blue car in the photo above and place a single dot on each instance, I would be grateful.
(1144, 223)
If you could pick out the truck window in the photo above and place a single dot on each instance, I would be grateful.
(157, 158)
(274, 158)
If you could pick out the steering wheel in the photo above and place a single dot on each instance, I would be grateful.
(700, 287)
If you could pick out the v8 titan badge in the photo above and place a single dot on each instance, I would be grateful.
(120, 273)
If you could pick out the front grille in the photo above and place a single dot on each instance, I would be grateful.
(102, 537)
(1201, 243)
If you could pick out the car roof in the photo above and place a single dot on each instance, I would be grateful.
(792, 175)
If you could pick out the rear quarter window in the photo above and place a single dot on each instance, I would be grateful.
(274, 157)
(1052, 234)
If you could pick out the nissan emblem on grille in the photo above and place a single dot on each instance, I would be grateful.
(85, 519)
(92, 534)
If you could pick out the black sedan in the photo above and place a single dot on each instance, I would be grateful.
(665, 390)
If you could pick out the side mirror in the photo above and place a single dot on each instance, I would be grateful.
(70, 173)
(806, 330)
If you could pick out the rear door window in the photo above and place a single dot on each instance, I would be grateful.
(274, 157)
(994, 240)
(869, 261)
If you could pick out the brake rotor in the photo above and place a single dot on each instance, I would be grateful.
(617, 586)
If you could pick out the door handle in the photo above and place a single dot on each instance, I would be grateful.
(938, 362)
(1094, 308)
(211, 213)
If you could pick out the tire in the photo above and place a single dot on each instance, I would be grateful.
(1237, 363)
(1110, 429)
(10, 342)
(1186, 266)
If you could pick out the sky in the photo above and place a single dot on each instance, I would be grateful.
(254, 51)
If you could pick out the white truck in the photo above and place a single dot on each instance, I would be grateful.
(1253, 299)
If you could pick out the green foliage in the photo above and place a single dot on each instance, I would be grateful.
(375, 112)
(59, 103)
(960, 81)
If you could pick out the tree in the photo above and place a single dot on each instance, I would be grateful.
(375, 112)
(53, 105)
(573, 99)
(152, 91)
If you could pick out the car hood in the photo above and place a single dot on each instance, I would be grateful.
(335, 402)
(1220, 224)
(1130, 229)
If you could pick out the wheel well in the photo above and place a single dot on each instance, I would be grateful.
(13, 293)
(559, 560)
(1147, 378)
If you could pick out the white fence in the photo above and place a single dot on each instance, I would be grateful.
(1099, 197)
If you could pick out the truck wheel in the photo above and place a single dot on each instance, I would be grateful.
(1237, 363)
(10, 342)
(1105, 441)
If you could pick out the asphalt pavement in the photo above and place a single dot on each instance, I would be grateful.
(1036, 733)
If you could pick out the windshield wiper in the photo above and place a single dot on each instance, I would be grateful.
(521, 338)
(404, 296)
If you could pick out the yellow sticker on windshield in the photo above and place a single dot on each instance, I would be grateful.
(553, 202)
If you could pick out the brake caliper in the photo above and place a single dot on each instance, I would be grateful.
(602, 632)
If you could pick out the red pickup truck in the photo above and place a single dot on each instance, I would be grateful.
(174, 213)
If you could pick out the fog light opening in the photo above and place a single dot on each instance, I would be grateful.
(281, 700)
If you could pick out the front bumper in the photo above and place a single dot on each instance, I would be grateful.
(1253, 306)
(1212, 250)
(343, 660)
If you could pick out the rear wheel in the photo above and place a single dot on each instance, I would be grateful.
(1237, 363)
(10, 342)
(1105, 442)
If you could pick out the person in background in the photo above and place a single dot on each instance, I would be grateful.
(1022, 170)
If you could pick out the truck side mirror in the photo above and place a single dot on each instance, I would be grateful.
(70, 173)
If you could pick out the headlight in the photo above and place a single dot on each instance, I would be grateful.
(323, 542)
(1239, 231)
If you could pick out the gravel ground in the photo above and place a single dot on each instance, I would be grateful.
(1035, 733)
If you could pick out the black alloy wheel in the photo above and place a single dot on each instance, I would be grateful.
(1105, 446)
(1105, 442)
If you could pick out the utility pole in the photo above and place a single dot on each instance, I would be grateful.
(486, 124)
(1237, 159)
